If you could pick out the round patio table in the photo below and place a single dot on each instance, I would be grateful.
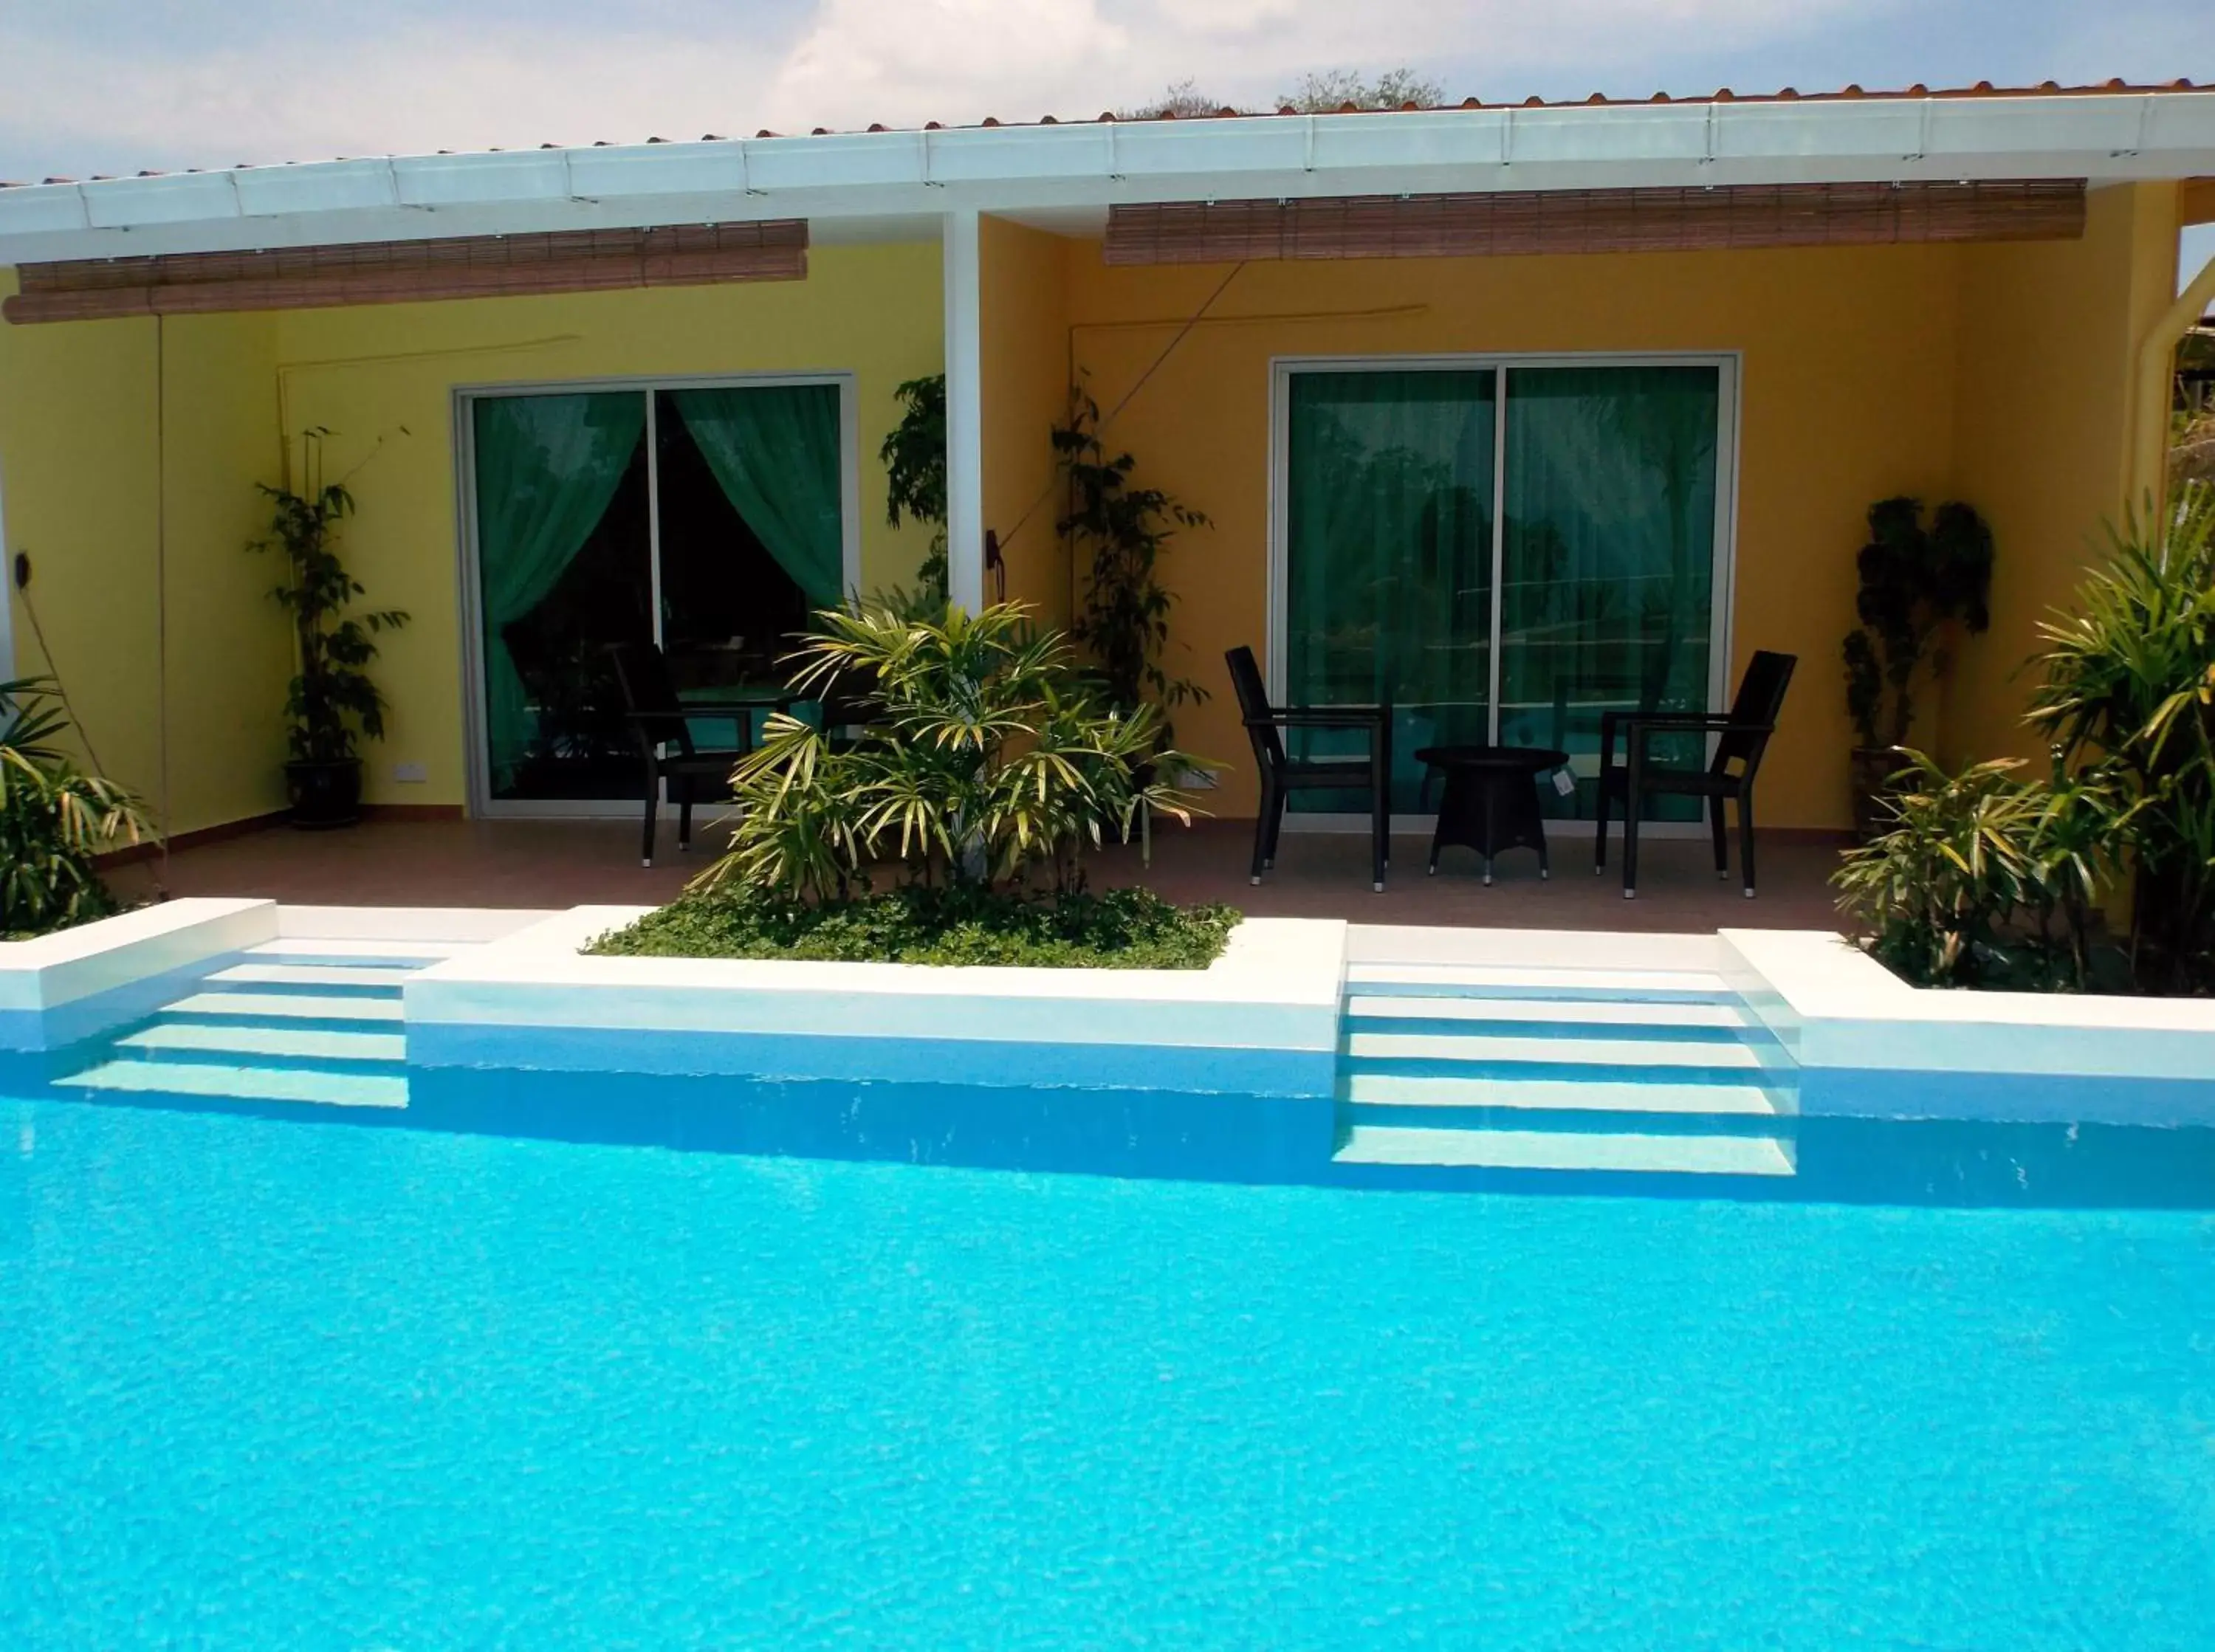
(1491, 800)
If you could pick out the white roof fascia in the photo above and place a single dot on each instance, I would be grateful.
(2103, 137)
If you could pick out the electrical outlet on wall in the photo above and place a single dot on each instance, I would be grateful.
(411, 773)
(1199, 779)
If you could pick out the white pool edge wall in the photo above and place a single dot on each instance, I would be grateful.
(1263, 1020)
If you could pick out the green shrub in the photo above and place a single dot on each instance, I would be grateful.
(1986, 879)
(2129, 696)
(1122, 929)
(53, 819)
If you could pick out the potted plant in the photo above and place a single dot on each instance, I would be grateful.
(914, 457)
(54, 820)
(1919, 584)
(1124, 616)
(331, 704)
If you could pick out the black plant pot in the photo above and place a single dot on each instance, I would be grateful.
(324, 794)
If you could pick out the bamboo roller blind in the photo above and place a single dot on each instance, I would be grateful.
(400, 271)
(1733, 216)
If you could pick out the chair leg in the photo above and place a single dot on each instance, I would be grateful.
(652, 798)
(1599, 841)
(1721, 837)
(1746, 836)
(1629, 845)
(1380, 815)
(1276, 818)
(1263, 823)
(684, 818)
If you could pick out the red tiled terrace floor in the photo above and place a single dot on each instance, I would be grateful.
(571, 863)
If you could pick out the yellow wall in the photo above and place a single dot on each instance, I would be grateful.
(78, 467)
(1023, 306)
(76, 459)
(2049, 337)
(1847, 395)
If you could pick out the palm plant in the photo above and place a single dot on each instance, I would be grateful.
(988, 759)
(2129, 691)
(53, 819)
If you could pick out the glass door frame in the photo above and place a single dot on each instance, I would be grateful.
(1283, 369)
(482, 805)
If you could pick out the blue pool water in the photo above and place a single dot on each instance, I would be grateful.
(287, 1384)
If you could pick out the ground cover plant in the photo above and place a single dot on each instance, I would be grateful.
(953, 828)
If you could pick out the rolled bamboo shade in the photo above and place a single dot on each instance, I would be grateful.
(406, 271)
(1491, 225)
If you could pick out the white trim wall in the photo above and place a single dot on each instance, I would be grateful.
(1729, 365)
(482, 804)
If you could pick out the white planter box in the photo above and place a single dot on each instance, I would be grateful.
(1261, 1020)
(60, 988)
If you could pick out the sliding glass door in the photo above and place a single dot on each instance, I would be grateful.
(712, 520)
(1505, 550)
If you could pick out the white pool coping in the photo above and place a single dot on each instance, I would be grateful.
(1834, 1006)
(1852, 1029)
(49, 971)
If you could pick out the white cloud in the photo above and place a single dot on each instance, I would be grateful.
(83, 96)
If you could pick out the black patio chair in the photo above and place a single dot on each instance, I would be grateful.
(1743, 732)
(659, 728)
(1282, 774)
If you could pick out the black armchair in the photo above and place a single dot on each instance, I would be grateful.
(664, 739)
(1282, 774)
(1743, 732)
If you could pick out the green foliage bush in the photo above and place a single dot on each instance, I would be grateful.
(53, 819)
(1988, 878)
(1122, 929)
(986, 767)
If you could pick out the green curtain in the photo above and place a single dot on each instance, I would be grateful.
(774, 449)
(547, 467)
(1388, 558)
(1608, 566)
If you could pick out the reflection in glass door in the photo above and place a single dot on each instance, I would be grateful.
(1507, 551)
(1389, 560)
(712, 521)
(1608, 558)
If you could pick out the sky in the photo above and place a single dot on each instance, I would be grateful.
(106, 86)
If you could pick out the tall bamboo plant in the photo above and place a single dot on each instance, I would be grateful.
(332, 702)
(1121, 532)
(914, 457)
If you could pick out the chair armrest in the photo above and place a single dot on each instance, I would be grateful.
(1323, 717)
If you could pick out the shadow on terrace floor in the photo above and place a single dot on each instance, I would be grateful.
(570, 863)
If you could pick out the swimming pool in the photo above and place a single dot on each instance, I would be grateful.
(287, 1383)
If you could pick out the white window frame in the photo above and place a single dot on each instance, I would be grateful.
(476, 744)
(1729, 365)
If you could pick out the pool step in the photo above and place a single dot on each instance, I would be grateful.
(189, 1039)
(1555, 1150)
(313, 1022)
(387, 977)
(245, 1083)
(1448, 1066)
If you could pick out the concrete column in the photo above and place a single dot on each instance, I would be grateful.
(964, 441)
